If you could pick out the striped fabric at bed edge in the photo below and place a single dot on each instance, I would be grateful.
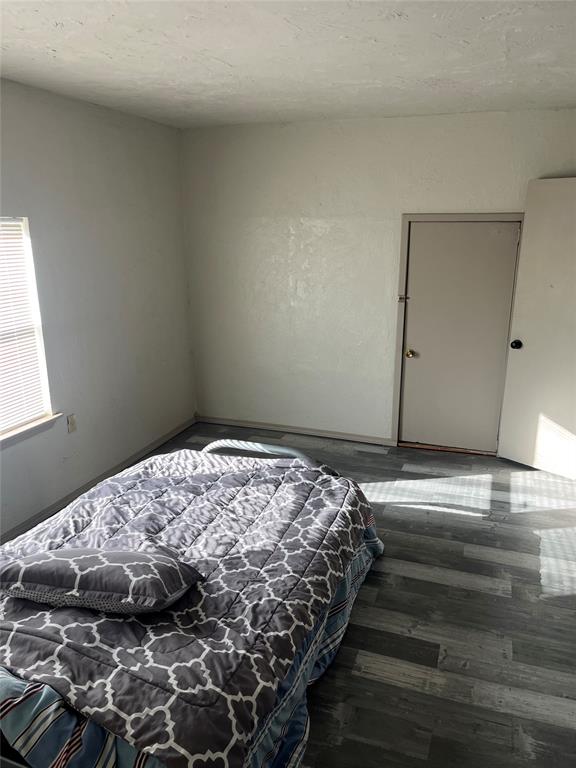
(37, 723)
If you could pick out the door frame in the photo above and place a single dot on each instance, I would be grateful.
(407, 220)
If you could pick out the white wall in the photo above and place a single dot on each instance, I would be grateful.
(294, 245)
(103, 195)
(293, 238)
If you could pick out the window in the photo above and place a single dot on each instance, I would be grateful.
(24, 395)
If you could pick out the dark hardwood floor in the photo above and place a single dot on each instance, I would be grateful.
(461, 651)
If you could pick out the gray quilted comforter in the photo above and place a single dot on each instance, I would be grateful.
(191, 684)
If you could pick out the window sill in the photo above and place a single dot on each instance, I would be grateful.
(26, 429)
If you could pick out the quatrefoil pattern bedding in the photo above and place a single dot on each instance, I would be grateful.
(115, 581)
(193, 683)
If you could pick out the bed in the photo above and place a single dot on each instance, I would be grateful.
(218, 679)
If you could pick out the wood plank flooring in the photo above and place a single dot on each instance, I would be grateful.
(461, 651)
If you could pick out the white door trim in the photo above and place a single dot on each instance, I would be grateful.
(407, 219)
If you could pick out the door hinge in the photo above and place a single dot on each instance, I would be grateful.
(403, 299)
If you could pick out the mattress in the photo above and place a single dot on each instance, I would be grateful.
(218, 679)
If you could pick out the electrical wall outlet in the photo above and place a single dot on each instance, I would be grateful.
(71, 421)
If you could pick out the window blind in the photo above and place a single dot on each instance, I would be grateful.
(24, 395)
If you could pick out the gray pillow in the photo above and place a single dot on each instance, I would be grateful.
(112, 580)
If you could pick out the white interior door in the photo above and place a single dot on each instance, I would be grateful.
(460, 282)
(539, 411)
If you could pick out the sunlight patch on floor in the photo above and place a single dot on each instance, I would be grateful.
(557, 561)
(540, 490)
(474, 491)
(434, 508)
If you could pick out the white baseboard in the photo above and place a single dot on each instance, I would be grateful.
(291, 429)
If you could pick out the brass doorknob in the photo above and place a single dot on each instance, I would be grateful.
(410, 353)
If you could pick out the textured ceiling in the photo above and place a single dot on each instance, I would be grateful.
(194, 63)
